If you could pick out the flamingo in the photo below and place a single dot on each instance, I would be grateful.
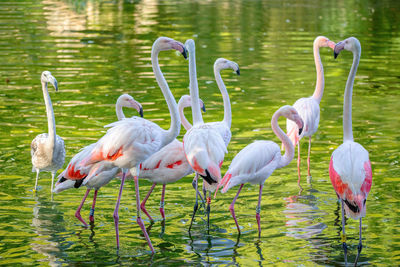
(169, 164)
(97, 175)
(350, 168)
(308, 107)
(203, 145)
(131, 141)
(257, 161)
(47, 149)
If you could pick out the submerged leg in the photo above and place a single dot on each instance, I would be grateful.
(162, 202)
(359, 244)
(232, 207)
(308, 159)
(258, 210)
(298, 165)
(196, 204)
(91, 215)
(344, 235)
(197, 192)
(115, 215)
(139, 219)
(143, 204)
(37, 178)
(78, 211)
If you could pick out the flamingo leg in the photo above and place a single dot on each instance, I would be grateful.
(37, 178)
(308, 158)
(208, 211)
(258, 210)
(194, 186)
(115, 215)
(298, 165)
(52, 181)
(138, 218)
(162, 203)
(344, 235)
(91, 215)
(196, 204)
(78, 211)
(143, 204)
(359, 244)
(232, 207)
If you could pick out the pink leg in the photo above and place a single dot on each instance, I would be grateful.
(143, 204)
(116, 217)
(232, 207)
(162, 203)
(308, 158)
(258, 210)
(78, 211)
(91, 216)
(298, 164)
(139, 219)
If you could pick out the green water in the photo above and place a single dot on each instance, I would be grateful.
(98, 50)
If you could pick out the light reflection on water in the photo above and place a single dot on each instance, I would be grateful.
(98, 50)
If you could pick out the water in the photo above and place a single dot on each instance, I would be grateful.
(100, 49)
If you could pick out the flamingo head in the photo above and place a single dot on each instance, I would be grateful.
(165, 43)
(350, 44)
(322, 41)
(48, 78)
(291, 113)
(185, 101)
(128, 101)
(222, 63)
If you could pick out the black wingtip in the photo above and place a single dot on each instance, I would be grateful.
(78, 183)
(208, 178)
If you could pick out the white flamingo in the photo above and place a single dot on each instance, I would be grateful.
(47, 149)
(169, 164)
(131, 141)
(257, 161)
(97, 175)
(203, 145)
(350, 168)
(308, 107)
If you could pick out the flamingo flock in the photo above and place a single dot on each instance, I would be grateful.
(135, 148)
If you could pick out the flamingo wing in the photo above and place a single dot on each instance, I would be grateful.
(253, 164)
(351, 176)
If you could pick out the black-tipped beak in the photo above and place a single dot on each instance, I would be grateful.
(53, 81)
(141, 112)
(300, 130)
(238, 72)
(338, 47)
(184, 53)
(203, 108)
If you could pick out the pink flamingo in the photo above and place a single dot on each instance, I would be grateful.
(96, 175)
(47, 149)
(350, 167)
(308, 107)
(203, 145)
(256, 162)
(169, 164)
(131, 141)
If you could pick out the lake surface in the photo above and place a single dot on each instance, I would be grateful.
(98, 50)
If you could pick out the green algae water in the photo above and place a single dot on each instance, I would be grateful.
(98, 50)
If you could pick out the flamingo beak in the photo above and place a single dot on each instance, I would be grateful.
(338, 47)
(238, 72)
(300, 130)
(141, 112)
(53, 81)
(203, 108)
(184, 53)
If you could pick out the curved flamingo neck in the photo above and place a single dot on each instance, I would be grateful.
(186, 124)
(289, 148)
(175, 125)
(51, 122)
(347, 122)
(225, 96)
(119, 111)
(194, 88)
(319, 86)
